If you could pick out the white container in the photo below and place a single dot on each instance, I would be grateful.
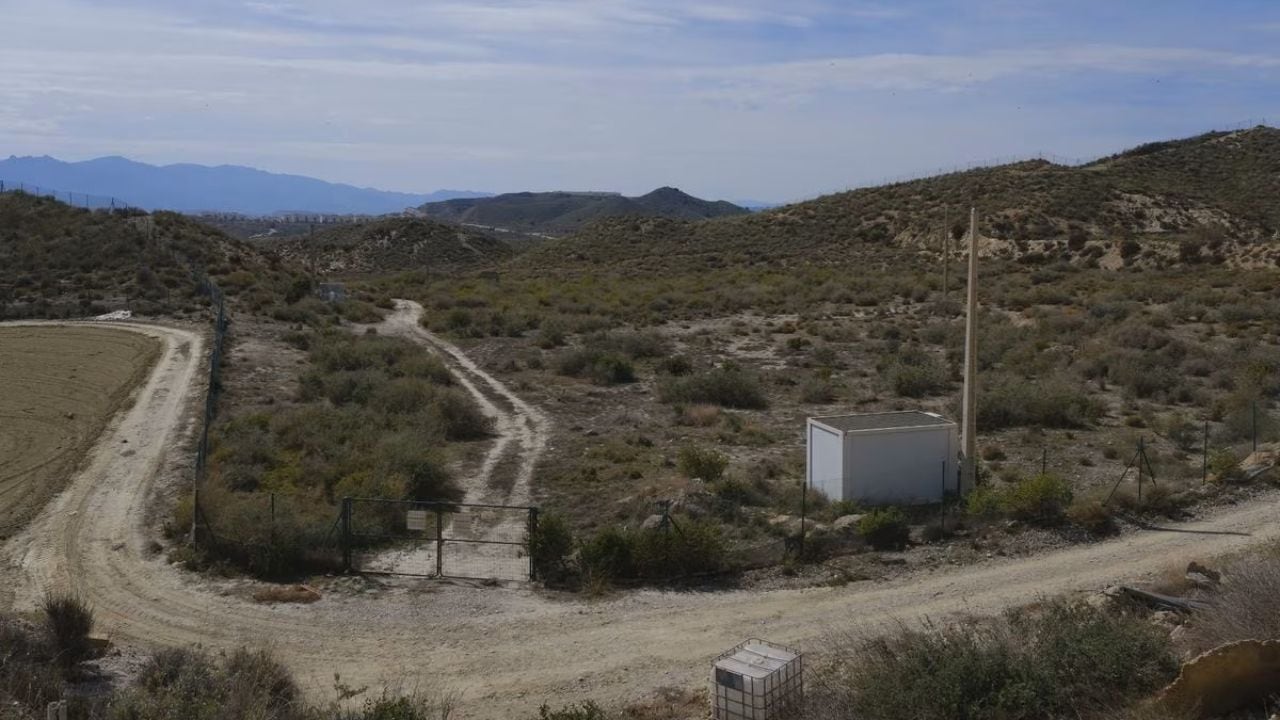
(757, 680)
(893, 458)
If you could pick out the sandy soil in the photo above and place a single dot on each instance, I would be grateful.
(506, 649)
(58, 388)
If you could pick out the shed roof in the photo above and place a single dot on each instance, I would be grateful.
(883, 421)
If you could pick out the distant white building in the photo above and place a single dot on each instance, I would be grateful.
(886, 458)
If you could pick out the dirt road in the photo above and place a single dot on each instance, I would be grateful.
(507, 650)
(521, 429)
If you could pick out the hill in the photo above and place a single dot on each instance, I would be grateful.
(1204, 199)
(225, 188)
(61, 261)
(557, 213)
(390, 245)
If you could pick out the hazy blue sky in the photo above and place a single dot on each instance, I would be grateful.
(764, 99)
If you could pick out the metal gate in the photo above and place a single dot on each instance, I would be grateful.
(431, 539)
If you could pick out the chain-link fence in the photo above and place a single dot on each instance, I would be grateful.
(78, 199)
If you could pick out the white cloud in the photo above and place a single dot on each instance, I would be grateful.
(506, 95)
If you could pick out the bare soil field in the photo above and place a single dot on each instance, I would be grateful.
(59, 386)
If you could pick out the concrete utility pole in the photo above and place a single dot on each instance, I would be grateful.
(968, 470)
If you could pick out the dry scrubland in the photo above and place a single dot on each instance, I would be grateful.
(58, 388)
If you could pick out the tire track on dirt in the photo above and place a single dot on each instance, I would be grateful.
(506, 650)
(523, 429)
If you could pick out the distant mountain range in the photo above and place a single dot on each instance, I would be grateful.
(560, 213)
(225, 188)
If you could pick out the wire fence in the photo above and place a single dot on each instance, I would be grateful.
(207, 287)
(78, 199)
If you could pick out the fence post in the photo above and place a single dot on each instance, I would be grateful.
(273, 519)
(346, 534)
(1204, 456)
(533, 530)
(439, 542)
(804, 507)
(1255, 426)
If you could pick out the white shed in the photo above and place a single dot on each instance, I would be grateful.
(884, 458)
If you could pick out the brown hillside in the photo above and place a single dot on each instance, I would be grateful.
(392, 245)
(1205, 199)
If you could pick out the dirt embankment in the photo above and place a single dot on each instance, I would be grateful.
(507, 650)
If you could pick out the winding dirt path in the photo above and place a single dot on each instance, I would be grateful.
(522, 429)
(507, 650)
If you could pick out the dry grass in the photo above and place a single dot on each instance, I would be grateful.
(1245, 607)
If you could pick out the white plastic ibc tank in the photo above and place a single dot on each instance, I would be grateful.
(757, 680)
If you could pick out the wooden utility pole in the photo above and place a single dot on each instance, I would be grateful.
(968, 471)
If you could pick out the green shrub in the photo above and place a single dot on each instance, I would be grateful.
(1224, 466)
(608, 553)
(817, 391)
(686, 548)
(550, 545)
(68, 619)
(706, 464)
(1093, 516)
(1040, 499)
(598, 366)
(915, 373)
(191, 684)
(1007, 401)
(1063, 660)
(727, 387)
(984, 501)
(885, 528)
(585, 711)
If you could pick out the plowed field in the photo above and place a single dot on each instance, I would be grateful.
(59, 386)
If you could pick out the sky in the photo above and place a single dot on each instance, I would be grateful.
(769, 100)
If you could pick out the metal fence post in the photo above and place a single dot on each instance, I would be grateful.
(346, 534)
(439, 542)
(533, 531)
(804, 507)
(1204, 455)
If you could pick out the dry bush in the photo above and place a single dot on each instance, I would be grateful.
(1245, 607)
(68, 619)
(1062, 660)
(699, 415)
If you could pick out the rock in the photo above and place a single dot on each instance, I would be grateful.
(1166, 619)
(653, 522)
(1203, 582)
(846, 523)
(1224, 679)
(1196, 568)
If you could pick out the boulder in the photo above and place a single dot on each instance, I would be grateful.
(653, 522)
(1199, 574)
(846, 523)
(1224, 679)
